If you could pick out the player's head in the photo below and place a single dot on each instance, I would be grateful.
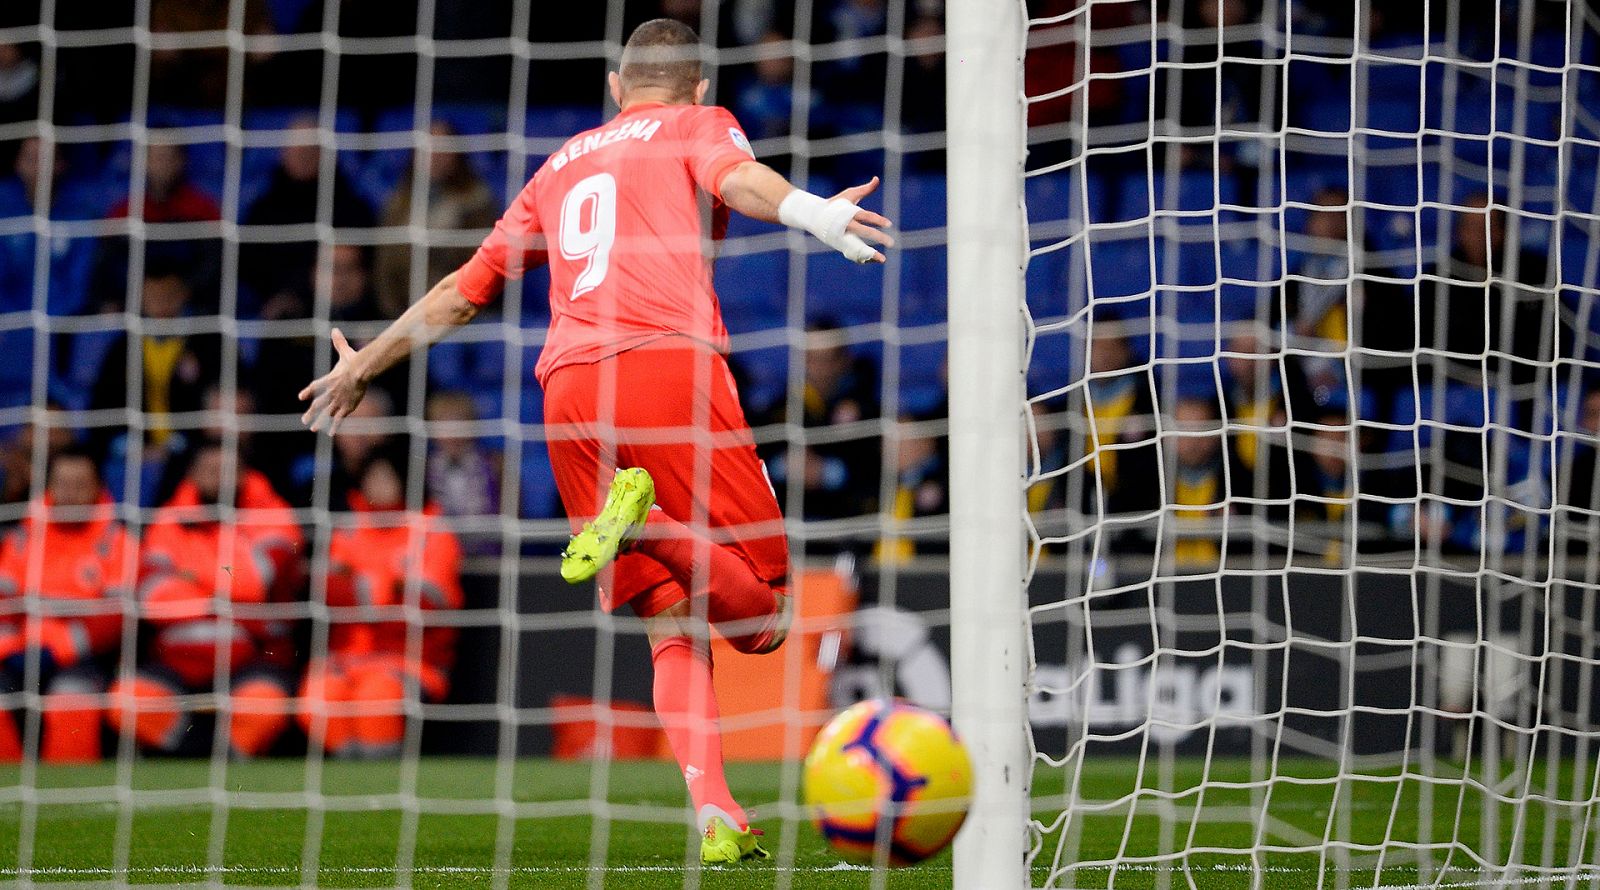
(661, 62)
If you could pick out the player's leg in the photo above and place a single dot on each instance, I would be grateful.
(750, 611)
(719, 530)
(684, 446)
(686, 705)
(582, 455)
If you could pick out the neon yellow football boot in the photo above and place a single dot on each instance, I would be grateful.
(723, 843)
(627, 507)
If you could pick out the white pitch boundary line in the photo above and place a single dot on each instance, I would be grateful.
(479, 870)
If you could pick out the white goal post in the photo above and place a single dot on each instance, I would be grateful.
(1287, 366)
(988, 252)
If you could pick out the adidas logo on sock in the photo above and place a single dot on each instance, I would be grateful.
(692, 772)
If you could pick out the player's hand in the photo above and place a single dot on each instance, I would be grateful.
(867, 225)
(334, 395)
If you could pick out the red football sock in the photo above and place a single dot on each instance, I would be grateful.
(734, 593)
(686, 705)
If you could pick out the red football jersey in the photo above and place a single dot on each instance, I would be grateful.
(625, 214)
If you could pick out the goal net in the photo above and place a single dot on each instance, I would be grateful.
(1310, 420)
(266, 657)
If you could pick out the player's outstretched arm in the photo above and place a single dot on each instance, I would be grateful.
(334, 395)
(760, 192)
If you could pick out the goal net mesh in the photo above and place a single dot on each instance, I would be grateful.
(1312, 415)
(304, 166)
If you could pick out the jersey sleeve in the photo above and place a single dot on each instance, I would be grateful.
(716, 144)
(516, 245)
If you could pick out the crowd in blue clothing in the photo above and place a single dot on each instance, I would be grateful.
(1329, 212)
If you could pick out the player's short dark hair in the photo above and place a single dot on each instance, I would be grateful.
(662, 53)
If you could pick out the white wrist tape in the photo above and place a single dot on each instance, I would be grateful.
(828, 220)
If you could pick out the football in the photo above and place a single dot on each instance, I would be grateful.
(891, 771)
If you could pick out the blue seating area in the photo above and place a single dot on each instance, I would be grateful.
(1184, 240)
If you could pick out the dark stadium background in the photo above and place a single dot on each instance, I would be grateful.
(376, 93)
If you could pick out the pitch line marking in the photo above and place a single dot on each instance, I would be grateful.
(195, 870)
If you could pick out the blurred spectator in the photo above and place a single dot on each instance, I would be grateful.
(1121, 414)
(16, 454)
(225, 537)
(1470, 490)
(1327, 486)
(284, 364)
(271, 267)
(1575, 525)
(765, 104)
(343, 273)
(1578, 475)
(220, 409)
(389, 560)
(198, 77)
(170, 197)
(72, 557)
(1202, 478)
(457, 200)
(174, 370)
(751, 19)
(1326, 449)
(71, 258)
(1047, 453)
(1052, 64)
(19, 84)
(1319, 303)
(840, 474)
(1221, 79)
(922, 486)
(361, 438)
(1202, 482)
(1254, 400)
(463, 475)
(1469, 292)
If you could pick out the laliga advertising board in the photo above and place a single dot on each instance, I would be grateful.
(1203, 671)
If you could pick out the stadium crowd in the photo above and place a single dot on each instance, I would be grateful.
(1279, 399)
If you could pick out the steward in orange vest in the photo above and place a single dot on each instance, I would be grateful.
(64, 576)
(384, 561)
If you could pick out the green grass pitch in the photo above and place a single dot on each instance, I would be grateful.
(170, 838)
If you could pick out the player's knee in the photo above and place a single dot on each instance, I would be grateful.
(772, 636)
(671, 623)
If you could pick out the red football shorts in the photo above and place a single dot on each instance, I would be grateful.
(670, 407)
